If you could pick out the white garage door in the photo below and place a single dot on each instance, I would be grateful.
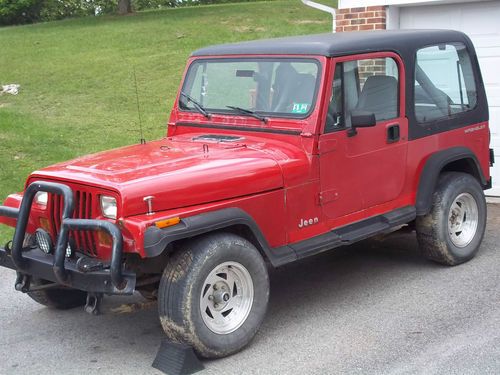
(481, 21)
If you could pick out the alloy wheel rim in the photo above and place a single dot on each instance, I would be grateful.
(463, 220)
(226, 297)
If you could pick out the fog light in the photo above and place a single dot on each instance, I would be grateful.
(43, 241)
(29, 241)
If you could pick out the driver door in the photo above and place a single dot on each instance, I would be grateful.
(362, 168)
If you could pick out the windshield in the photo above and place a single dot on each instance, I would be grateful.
(271, 87)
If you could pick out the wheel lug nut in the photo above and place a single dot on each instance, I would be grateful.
(216, 305)
(210, 297)
(215, 287)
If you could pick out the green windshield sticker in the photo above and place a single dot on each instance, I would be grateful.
(300, 107)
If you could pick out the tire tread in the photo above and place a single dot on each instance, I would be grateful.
(430, 230)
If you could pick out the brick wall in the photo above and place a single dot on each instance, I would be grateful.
(370, 67)
(361, 18)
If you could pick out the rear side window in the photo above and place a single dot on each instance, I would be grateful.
(444, 82)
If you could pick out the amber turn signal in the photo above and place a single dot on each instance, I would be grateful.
(168, 222)
(44, 223)
(104, 238)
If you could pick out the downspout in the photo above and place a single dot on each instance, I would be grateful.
(324, 8)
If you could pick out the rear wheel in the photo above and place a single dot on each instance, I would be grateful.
(58, 298)
(213, 294)
(452, 231)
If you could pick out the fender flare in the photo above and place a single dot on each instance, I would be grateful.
(156, 240)
(433, 167)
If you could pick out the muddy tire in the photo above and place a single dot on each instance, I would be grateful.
(213, 294)
(452, 231)
(58, 298)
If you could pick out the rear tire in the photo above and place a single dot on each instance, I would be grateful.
(213, 294)
(452, 231)
(58, 298)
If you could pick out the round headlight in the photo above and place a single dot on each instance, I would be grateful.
(43, 241)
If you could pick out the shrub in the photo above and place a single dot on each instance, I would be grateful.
(19, 11)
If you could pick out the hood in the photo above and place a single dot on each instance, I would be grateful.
(182, 171)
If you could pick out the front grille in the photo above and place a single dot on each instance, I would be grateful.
(85, 241)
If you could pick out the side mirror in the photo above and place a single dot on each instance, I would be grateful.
(361, 119)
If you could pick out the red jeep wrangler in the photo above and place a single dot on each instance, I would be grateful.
(276, 150)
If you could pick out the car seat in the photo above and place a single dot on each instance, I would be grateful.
(380, 97)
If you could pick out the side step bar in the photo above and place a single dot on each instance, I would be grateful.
(354, 232)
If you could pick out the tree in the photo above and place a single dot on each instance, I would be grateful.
(124, 7)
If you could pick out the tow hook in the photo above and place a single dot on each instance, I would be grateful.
(22, 283)
(93, 304)
(86, 264)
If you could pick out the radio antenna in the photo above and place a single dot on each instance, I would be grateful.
(143, 140)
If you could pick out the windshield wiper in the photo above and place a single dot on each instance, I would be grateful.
(249, 112)
(196, 105)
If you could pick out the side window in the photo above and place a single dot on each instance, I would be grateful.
(335, 116)
(444, 82)
(363, 86)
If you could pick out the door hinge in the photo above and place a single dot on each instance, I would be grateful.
(327, 196)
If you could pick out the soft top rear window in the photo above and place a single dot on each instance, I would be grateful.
(444, 82)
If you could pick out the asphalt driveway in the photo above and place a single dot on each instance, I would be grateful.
(375, 307)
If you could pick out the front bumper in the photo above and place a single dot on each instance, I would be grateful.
(109, 279)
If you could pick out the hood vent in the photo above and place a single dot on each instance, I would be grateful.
(217, 138)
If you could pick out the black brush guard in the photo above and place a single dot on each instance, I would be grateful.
(58, 268)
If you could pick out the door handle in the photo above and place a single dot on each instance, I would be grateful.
(393, 133)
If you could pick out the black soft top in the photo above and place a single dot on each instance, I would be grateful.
(405, 43)
(337, 44)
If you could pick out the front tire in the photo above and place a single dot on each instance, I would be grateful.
(213, 294)
(452, 231)
(58, 298)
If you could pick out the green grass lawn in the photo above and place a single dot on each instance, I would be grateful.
(77, 89)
